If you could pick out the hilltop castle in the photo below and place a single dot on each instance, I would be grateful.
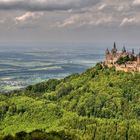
(122, 60)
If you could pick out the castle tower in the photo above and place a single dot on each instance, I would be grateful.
(123, 50)
(114, 50)
(107, 52)
(114, 44)
(138, 59)
(107, 55)
(133, 52)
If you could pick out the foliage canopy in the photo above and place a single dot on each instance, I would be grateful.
(98, 104)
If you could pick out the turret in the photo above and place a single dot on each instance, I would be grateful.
(133, 52)
(123, 50)
(114, 50)
(114, 45)
(107, 51)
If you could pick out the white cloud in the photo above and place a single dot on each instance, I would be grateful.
(84, 19)
(76, 13)
(103, 20)
(128, 21)
(28, 16)
(107, 12)
(136, 2)
(102, 6)
(69, 21)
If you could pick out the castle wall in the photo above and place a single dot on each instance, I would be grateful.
(138, 60)
(138, 68)
(118, 68)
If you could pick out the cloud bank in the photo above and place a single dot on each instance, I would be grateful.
(107, 13)
(45, 5)
(79, 12)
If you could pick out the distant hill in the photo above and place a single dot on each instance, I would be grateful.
(99, 104)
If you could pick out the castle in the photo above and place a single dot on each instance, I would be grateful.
(122, 60)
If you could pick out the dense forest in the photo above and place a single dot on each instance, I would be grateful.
(99, 104)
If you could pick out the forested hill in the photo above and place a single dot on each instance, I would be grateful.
(99, 104)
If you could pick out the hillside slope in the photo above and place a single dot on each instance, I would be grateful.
(99, 104)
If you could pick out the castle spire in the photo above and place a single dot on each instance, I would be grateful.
(107, 51)
(133, 52)
(123, 50)
(114, 50)
(114, 45)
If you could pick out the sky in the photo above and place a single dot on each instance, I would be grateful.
(69, 21)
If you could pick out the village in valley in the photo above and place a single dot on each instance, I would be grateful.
(122, 60)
